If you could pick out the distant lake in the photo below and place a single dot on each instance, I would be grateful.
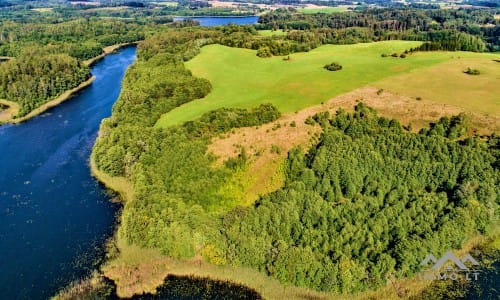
(219, 21)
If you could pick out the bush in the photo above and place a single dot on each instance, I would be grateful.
(333, 67)
(275, 149)
(264, 52)
(470, 71)
(309, 121)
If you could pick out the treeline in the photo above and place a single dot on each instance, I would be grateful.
(32, 80)
(387, 24)
(369, 201)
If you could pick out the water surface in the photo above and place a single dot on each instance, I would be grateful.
(54, 217)
(219, 21)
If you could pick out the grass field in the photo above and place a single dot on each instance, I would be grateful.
(446, 83)
(325, 10)
(241, 79)
(271, 32)
(42, 9)
(165, 3)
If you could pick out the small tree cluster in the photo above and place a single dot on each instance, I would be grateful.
(333, 66)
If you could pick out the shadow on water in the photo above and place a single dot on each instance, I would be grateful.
(194, 288)
(488, 287)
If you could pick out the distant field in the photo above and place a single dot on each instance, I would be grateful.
(271, 32)
(165, 3)
(42, 9)
(325, 10)
(241, 79)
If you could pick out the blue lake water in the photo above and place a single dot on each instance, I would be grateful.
(219, 21)
(54, 217)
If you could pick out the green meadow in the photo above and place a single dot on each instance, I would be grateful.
(278, 32)
(241, 79)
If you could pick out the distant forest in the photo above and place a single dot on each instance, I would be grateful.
(49, 58)
(443, 26)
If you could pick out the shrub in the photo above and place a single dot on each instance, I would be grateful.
(333, 66)
(275, 149)
(264, 52)
(309, 121)
(470, 71)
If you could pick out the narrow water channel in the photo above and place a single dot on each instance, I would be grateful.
(54, 217)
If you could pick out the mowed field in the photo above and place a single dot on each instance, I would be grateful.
(241, 79)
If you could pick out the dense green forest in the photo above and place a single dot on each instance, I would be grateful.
(448, 27)
(369, 200)
(49, 56)
(32, 80)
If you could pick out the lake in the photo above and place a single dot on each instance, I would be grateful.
(219, 21)
(54, 216)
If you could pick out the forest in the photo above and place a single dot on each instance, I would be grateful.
(433, 25)
(368, 200)
(31, 82)
(49, 58)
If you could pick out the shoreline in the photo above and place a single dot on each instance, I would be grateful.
(48, 105)
(13, 106)
(119, 185)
